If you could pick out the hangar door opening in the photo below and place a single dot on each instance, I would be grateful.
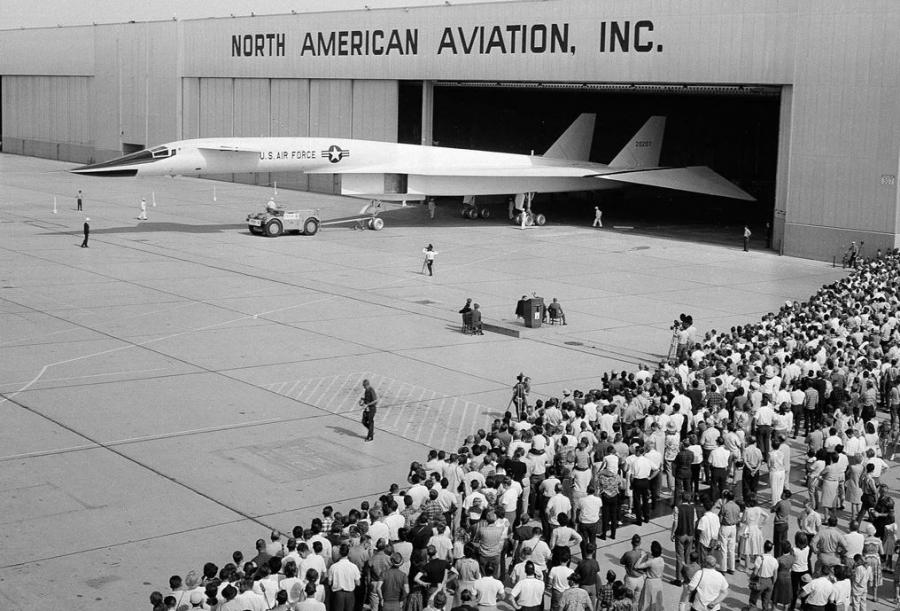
(733, 130)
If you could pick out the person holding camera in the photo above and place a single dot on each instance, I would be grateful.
(369, 401)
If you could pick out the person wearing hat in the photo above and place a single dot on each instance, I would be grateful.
(87, 232)
(394, 587)
(197, 600)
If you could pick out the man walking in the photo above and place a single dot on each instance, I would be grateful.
(87, 231)
(598, 217)
(78, 200)
(430, 253)
(143, 215)
(369, 402)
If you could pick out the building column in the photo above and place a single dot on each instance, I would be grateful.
(427, 113)
(782, 171)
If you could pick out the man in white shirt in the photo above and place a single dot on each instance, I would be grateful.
(817, 592)
(344, 579)
(488, 589)
(557, 504)
(528, 593)
(395, 522)
(710, 586)
(588, 517)
(764, 418)
(708, 531)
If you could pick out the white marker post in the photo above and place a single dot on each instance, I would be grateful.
(54, 204)
(275, 184)
(214, 192)
(153, 198)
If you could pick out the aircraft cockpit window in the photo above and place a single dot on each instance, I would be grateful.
(161, 152)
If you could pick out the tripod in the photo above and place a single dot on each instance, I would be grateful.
(673, 345)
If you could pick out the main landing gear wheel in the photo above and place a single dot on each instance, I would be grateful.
(484, 213)
(376, 224)
(274, 228)
(540, 220)
(311, 227)
(472, 213)
(529, 219)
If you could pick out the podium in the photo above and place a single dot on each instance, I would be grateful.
(534, 312)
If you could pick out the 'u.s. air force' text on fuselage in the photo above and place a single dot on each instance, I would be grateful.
(266, 155)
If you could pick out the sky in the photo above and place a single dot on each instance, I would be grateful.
(50, 13)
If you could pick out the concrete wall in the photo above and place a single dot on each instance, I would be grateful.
(839, 148)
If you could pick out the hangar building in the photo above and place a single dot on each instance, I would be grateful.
(797, 101)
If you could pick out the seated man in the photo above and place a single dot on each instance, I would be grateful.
(556, 311)
(476, 319)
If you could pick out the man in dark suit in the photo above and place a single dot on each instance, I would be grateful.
(87, 233)
(369, 402)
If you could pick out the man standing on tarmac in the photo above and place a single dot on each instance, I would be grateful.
(430, 253)
(369, 402)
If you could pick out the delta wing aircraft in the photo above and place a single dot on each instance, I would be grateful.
(387, 171)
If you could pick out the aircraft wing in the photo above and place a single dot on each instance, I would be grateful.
(535, 167)
(696, 179)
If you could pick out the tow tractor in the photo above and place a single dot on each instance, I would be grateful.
(274, 221)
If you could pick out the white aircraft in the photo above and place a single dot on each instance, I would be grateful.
(387, 171)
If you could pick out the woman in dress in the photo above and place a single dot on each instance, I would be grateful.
(653, 566)
(415, 601)
(872, 551)
(753, 539)
(467, 571)
(800, 567)
(782, 593)
(852, 491)
(832, 476)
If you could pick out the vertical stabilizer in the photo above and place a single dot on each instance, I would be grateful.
(642, 151)
(575, 143)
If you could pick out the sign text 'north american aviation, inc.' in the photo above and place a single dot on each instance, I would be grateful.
(550, 38)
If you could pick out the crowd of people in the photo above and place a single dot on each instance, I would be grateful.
(748, 435)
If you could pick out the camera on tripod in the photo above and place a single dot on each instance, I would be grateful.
(676, 326)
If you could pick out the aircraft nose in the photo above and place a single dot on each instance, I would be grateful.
(120, 166)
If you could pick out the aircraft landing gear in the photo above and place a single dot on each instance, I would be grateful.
(525, 216)
(469, 210)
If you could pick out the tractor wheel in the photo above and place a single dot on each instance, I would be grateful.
(274, 228)
(311, 227)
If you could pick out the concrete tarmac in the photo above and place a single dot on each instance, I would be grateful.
(175, 390)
